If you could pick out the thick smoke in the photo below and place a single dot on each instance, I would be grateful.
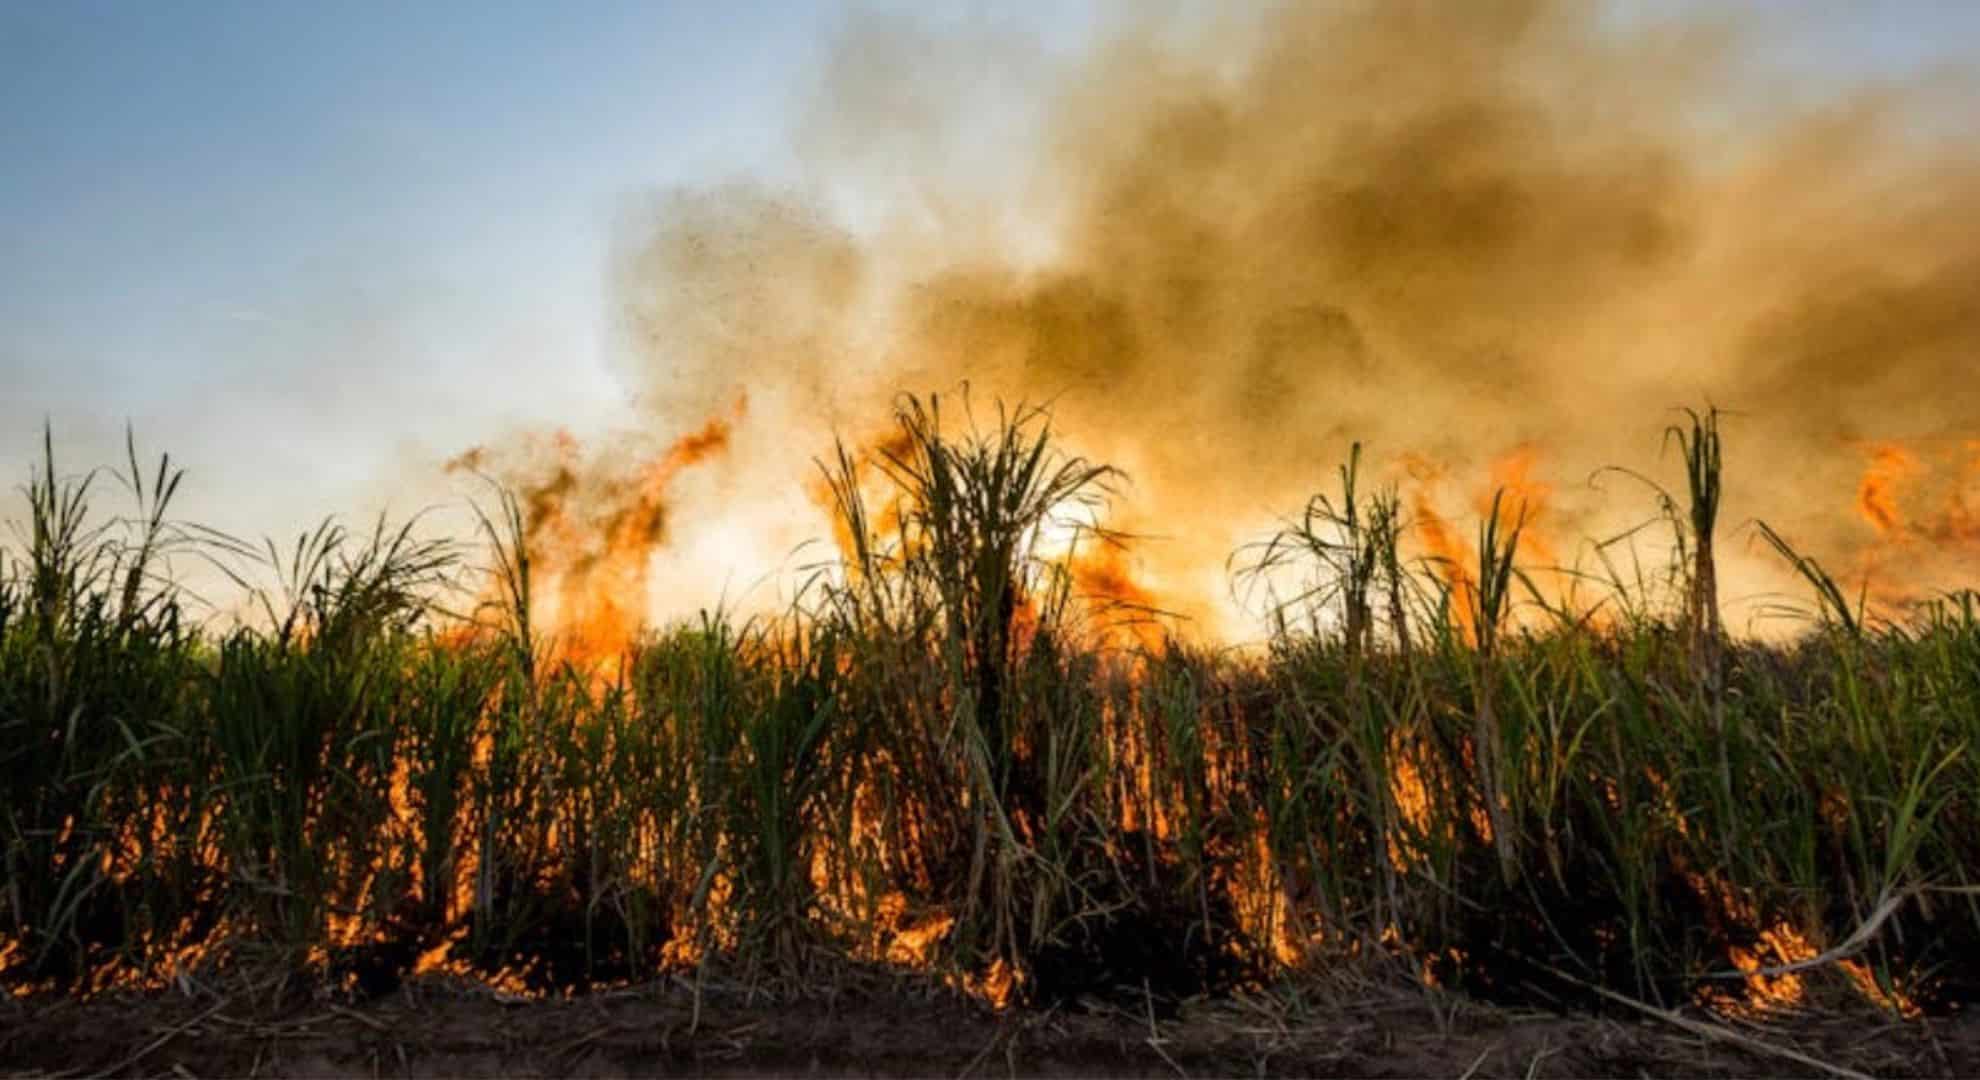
(1493, 237)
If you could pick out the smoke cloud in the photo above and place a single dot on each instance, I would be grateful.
(1483, 239)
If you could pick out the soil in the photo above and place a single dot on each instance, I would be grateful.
(445, 1028)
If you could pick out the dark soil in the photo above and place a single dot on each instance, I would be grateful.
(440, 1028)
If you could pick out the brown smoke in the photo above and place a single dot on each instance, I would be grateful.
(1490, 235)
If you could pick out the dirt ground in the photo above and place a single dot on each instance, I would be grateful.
(449, 1029)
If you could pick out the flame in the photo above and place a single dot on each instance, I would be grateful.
(605, 592)
(1443, 546)
(1890, 471)
(1526, 499)
(1259, 895)
(592, 528)
(1780, 945)
(1106, 582)
(869, 458)
(1921, 501)
(1514, 479)
(1897, 498)
(912, 944)
(1411, 797)
(997, 985)
(1891, 1000)
(1777, 945)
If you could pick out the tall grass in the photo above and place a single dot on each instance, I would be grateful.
(932, 761)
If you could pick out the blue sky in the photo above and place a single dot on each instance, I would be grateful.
(282, 238)
(304, 245)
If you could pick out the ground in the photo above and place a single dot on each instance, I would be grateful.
(438, 1028)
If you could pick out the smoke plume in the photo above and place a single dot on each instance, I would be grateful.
(1496, 242)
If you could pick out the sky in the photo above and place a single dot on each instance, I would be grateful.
(298, 244)
(314, 250)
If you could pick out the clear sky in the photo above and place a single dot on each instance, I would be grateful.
(297, 244)
(302, 245)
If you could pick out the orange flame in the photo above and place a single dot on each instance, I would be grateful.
(592, 537)
(1891, 469)
(1439, 539)
(1106, 582)
(1523, 498)
(1923, 514)
(1526, 498)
